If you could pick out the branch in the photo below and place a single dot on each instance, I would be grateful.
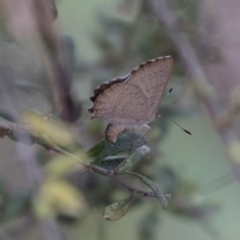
(133, 189)
(88, 167)
(114, 175)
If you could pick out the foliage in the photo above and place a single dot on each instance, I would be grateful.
(72, 178)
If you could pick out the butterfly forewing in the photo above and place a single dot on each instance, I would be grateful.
(122, 104)
(152, 77)
(103, 87)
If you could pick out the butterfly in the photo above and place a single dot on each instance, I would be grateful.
(132, 101)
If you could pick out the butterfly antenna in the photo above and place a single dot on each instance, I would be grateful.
(186, 131)
(169, 91)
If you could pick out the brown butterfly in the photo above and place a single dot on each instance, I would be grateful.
(132, 101)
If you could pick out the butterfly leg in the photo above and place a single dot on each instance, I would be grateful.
(147, 128)
(133, 135)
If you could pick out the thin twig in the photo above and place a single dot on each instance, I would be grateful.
(132, 189)
(113, 175)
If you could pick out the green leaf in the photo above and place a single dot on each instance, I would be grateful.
(125, 142)
(159, 194)
(23, 137)
(148, 225)
(97, 149)
(8, 116)
(111, 163)
(17, 203)
(49, 130)
(135, 157)
(117, 210)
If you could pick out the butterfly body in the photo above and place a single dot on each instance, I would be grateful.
(132, 101)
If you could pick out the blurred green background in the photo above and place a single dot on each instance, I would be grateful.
(199, 158)
(201, 161)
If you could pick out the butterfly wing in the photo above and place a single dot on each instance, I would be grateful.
(152, 77)
(103, 87)
(123, 104)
